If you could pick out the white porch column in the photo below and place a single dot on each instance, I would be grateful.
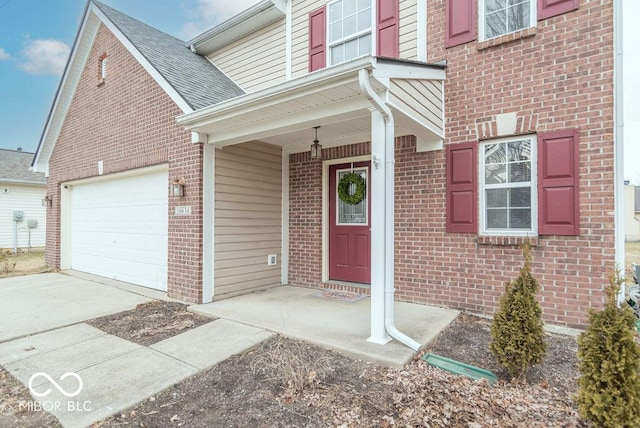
(376, 193)
(208, 222)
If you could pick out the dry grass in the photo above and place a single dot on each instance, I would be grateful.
(23, 263)
(632, 255)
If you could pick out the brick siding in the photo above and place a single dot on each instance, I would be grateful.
(128, 122)
(558, 75)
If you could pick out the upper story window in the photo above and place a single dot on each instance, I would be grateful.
(499, 17)
(508, 187)
(349, 29)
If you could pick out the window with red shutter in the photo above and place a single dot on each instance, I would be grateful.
(318, 39)
(388, 39)
(549, 8)
(460, 23)
(558, 207)
(462, 187)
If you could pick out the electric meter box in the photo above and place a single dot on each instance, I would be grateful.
(18, 215)
(32, 223)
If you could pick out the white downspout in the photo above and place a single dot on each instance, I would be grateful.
(389, 319)
(618, 139)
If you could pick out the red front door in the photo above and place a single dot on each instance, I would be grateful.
(349, 228)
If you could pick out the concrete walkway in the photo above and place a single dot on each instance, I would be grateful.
(81, 374)
(298, 313)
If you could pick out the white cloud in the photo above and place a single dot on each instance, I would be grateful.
(44, 56)
(209, 13)
(4, 55)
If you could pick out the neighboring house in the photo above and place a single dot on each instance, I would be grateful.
(631, 212)
(472, 128)
(23, 191)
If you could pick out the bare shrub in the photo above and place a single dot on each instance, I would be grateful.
(293, 364)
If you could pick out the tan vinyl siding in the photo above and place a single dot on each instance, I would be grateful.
(248, 218)
(29, 200)
(408, 29)
(421, 99)
(257, 61)
(300, 35)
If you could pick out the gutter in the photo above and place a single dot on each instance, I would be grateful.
(389, 286)
(618, 139)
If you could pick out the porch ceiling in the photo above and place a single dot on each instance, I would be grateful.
(285, 114)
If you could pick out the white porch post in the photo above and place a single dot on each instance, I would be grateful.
(208, 222)
(378, 331)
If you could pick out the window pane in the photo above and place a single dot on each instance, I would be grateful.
(351, 49)
(364, 4)
(494, 153)
(518, 17)
(519, 150)
(496, 24)
(497, 198)
(349, 25)
(364, 20)
(335, 31)
(349, 7)
(365, 44)
(337, 54)
(519, 172)
(520, 197)
(335, 11)
(352, 214)
(520, 219)
(494, 5)
(495, 174)
(497, 219)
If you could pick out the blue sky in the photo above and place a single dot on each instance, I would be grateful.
(36, 36)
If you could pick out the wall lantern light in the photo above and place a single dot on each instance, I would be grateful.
(47, 201)
(316, 147)
(177, 187)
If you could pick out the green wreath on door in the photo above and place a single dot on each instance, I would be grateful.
(344, 187)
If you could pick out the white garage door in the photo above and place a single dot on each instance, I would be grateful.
(119, 229)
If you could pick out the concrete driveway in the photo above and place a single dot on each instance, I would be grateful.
(81, 374)
(36, 303)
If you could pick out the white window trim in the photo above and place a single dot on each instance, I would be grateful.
(533, 232)
(343, 40)
(533, 12)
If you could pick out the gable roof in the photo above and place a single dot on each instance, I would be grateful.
(14, 168)
(196, 79)
(189, 79)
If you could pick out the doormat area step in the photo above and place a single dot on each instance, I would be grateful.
(339, 295)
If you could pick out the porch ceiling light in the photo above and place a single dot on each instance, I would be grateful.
(316, 147)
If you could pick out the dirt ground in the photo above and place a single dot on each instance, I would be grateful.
(289, 383)
(150, 322)
(632, 255)
(23, 263)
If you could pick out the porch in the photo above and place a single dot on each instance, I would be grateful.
(301, 313)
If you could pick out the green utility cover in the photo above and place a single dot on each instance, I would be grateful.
(459, 368)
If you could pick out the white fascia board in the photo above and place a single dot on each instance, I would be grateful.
(66, 90)
(160, 80)
(285, 89)
(259, 16)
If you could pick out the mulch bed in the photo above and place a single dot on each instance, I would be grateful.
(150, 322)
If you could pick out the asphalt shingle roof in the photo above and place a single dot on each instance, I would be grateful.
(198, 81)
(14, 167)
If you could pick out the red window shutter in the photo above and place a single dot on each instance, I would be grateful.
(460, 24)
(318, 39)
(388, 39)
(549, 8)
(558, 207)
(462, 188)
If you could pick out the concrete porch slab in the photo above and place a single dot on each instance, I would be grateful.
(295, 312)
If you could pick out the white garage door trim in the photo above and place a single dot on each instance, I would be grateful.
(116, 226)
